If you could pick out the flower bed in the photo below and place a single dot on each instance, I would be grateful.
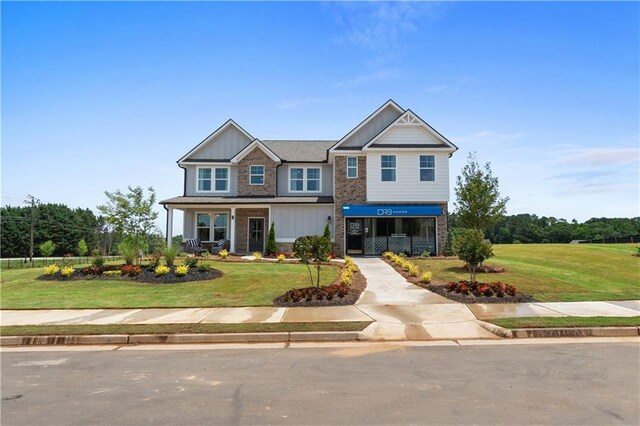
(135, 273)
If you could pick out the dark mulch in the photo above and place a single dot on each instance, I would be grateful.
(357, 286)
(147, 276)
(441, 289)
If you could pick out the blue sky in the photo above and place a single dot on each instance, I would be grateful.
(98, 96)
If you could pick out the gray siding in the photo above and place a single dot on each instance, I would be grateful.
(223, 147)
(189, 219)
(326, 176)
(373, 127)
(191, 183)
(296, 221)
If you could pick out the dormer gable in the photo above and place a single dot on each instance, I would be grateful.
(410, 131)
(256, 144)
(221, 145)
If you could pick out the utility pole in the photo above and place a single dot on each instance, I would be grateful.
(31, 200)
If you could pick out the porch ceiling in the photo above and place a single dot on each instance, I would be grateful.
(247, 200)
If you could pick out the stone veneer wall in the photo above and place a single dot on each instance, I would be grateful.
(257, 157)
(347, 191)
(242, 227)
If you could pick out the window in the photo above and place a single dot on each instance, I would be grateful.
(313, 179)
(204, 179)
(388, 168)
(427, 168)
(218, 178)
(352, 167)
(304, 179)
(256, 175)
(296, 176)
(204, 228)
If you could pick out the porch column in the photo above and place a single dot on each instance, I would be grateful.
(232, 231)
(169, 226)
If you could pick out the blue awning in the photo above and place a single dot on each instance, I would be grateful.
(367, 210)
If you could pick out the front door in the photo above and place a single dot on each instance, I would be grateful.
(256, 234)
(355, 236)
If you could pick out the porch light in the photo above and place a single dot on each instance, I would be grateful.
(329, 219)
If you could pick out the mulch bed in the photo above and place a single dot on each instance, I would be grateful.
(147, 276)
(357, 286)
(441, 289)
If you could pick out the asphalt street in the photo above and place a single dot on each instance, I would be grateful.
(577, 383)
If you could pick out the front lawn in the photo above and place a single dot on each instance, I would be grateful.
(556, 272)
(243, 284)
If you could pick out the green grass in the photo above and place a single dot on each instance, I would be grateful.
(243, 284)
(42, 330)
(557, 272)
(546, 322)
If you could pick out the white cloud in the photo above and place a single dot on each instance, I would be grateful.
(600, 156)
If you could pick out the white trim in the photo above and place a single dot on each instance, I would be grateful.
(211, 223)
(264, 169)
(361, 125)
(434, 168)
(205, 163)
(415, 121)
(357, 165)
(213, 180)
(255, 143)
(229, 122)
(264, 224)
(394, 168)
(304, 179)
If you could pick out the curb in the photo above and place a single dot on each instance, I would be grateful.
(133, 339)
(523, 333)
(497, 330)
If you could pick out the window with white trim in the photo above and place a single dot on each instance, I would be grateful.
(427, 168)
(205, 229)
(388, 168)
(256, 175)
(352, 167)
(305, 179)
(213, 179)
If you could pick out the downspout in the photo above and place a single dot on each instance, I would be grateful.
(166, 227)
(184, 188)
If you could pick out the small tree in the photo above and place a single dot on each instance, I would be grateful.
(470, 247)
(312, 249)
(327, 231)
(271, 247)
(82, 248)
(47, 248)
(478, 201)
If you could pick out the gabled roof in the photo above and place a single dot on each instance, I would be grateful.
(216, 132)
(256, 143)
(300, 150)
(410, 118)
(390, 102)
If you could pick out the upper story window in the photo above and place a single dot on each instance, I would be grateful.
(388, 168)
(427, 168)
(304, 179)
(256, 175)
(352, 167)
(214, 179)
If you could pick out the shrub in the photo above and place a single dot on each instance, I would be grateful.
(387, 254)
(425, 253)
(47, 248)
(161, 270)
(348, 260)
(182, 254)
(222, 253)
(412, 269)
(67, 271)
(281, 257)
(204, 267)
(170, 253)
(82, 248)
(352, 267)
(191, 261)
(470, 247)
(271, 246)
(346, 277)
(129, 251)
(182, 270)
(131, 270)
(257, 255)
(51, 269)
(312, 249)
(310, 293)
(155, 260)
(113, 273)
(426, 277)
(91, 270)
(98, 260)
(206, 254)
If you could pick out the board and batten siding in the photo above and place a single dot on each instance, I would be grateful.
(223, 147)
(407, 186)
(191, 179)
(294, 221)
(372, 128)
(326, 184)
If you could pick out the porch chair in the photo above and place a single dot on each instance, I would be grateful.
(193, 245)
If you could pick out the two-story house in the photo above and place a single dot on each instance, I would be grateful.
(383, 186)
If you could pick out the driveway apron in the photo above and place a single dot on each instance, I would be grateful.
(404, 311)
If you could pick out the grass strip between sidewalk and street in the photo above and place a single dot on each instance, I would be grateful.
(551, 322)
(42, 330)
